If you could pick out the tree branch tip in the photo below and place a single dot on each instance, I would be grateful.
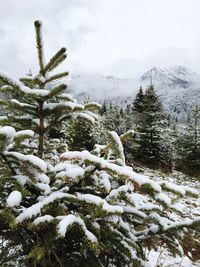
(37, 23)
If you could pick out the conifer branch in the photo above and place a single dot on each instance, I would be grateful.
(26, 80)
(57, 258)
(56, 91)
(6, 161)
(39, 44)
(41, 131)
(191, 224)
(54, 59)
(7, 80)
(57, 62)
(57, 77)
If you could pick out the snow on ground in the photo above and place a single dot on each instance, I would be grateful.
(161, 258)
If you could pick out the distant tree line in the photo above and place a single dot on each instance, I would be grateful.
(158, 142)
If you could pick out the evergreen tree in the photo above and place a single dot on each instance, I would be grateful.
(138, 102)
(151, 146)
(128, 109)
(75, 208)
(103, 108)
(114, 119)
(81, 134)
(188, 145)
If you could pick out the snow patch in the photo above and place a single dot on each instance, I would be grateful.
(14, 199)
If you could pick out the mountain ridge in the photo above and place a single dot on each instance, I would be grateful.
(177, 86)
(172, 77)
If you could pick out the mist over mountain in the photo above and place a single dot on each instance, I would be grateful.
(101, 87)
(173, 77)
(177, 86)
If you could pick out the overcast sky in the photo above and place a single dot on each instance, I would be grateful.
(111, 37)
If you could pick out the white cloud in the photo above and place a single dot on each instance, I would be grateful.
(113, 37)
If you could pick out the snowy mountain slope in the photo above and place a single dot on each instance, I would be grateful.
(177, 86)
(176, 76)
(101, 87)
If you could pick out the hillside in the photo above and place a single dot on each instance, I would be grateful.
(177, 86)
(161, 257)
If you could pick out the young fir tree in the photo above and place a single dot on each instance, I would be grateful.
(152, 146)
(103, 109)
(188, 145)
(88, 208)
(136, 108)
(81, 134)
(138, 102)
(114, 119)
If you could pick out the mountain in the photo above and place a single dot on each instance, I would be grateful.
(177, 86)
(173, 77)
(99, 87)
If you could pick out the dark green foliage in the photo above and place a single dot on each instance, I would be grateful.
(188, 146)
(80, 135)
(151, 145)
(138, 102)
(114, 118)
(103, 109)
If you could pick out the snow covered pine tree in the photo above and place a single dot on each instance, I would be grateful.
(152, 147)
(71, 208)
(188, 145)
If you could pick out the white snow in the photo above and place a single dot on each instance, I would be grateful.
(119, 145)
(41, 164)
(162, 258)
(178, 207)
(120, 170)
(36, 208)
(132, 252)
(105, 181)
(124, 225)
(42, 219)
(163, 198)
(132, 210)
(86, 116)
(22, 179)
(29, 133)
(14, 199)
(190, 190)
(69, 105)
(67, 97)
(92, 114)
(15, 101)
(8, 131)
(44, 187)
(122, 189)
(69, 220)
(71, 171)
(43, 178)
(92, 199)
(173, 187)
(93, 103)
(36, 92)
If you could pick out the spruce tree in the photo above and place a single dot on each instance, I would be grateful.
(151, 145)
(81, 134)
(188, 145)
(114, 119)
(138, 102)
(103, 108)
(75, 208)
